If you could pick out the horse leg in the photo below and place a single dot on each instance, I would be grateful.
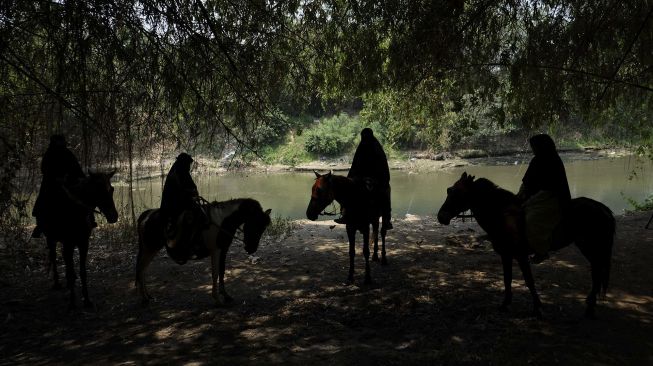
(375, 237)
(221, 288)
(384, 261)
(530, 283)
(366, 253)
(218, 259)
(506, 261)
(68, 250)
(215, 274)
(143, 260)
(52, 258)
(351, 235)
(596, 288)
(83, 252)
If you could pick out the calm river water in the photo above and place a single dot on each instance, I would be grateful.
(606, 180)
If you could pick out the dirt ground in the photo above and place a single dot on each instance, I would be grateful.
(435, 303)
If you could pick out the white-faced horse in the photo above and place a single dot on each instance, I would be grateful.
(224, 219)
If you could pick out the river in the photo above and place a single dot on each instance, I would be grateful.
(605, 180)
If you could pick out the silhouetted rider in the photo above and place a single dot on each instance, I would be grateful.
(545, 193)
(178, 200)
(370, 161)
(60, 169)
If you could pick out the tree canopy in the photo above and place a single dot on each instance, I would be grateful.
(112, 73)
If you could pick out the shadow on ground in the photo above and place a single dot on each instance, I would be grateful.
(436, 302)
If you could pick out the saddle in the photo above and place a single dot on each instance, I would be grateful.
(183, 237)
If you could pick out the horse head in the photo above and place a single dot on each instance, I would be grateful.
(255, 224)
(458, 199)
(100, 192)
(321, 195)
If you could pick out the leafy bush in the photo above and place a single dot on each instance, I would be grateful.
(333, 135)
(645, 205)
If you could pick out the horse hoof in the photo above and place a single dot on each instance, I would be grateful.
(384, 262)
(368, 280)
(375, 258)
(228, 299)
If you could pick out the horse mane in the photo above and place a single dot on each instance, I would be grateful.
(247, 204)
(489, 189)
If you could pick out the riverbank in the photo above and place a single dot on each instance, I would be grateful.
(413, 161)
(436, 302)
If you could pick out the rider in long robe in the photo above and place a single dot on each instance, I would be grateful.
(545, 193)
(60, 169)
(370, 161)
(178, 202)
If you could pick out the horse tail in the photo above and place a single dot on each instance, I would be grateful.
(611, 231)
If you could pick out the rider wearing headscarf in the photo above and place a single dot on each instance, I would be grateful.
(370, 161)
(179, 195)
(60, 168)
(545, 193)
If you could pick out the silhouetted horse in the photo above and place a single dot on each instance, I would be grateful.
(214, 240)
(361, 210)
(71, 226)
(588, 223)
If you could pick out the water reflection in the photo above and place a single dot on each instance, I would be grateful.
(606, 180)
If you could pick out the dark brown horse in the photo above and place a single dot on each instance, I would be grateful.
(361, 208)
(588, 223)
(71, 226)
(213, 240)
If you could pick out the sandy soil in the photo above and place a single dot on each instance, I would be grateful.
(436, 302)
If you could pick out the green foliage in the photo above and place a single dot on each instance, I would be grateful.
(280, 227)
(646, 205)
(435, 117)
(333, 136)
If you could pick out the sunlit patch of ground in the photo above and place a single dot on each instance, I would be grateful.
(435, 303)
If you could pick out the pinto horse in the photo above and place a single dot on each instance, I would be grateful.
(213, 240)
(70, 225)
(587, 223)
(361, 211)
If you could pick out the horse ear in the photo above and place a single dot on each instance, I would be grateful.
(317, 175)
(267, 212)
(472, 177)
(464, 176)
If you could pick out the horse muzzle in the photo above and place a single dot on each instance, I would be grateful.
(444, 217)
(311, 215)
(112, 217)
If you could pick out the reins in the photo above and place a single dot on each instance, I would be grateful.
(79, 202)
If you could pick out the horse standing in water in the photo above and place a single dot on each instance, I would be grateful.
(214, 240)
(362, 210)
(72, 227)
(588, 223)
